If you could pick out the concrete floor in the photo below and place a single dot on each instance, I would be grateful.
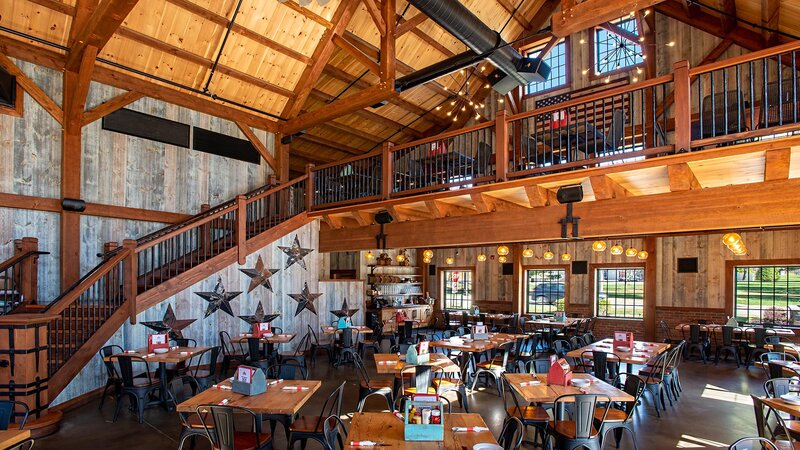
(713, 411)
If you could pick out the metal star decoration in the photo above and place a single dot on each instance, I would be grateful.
(296, 253)
(305, 300)
(259, 276)
(219, 299)
(169, 324)
(259, 316)
(345, 311)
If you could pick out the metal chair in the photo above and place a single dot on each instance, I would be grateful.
(255, 357)
(112, 377)
(347, 346)
(697, 341)
(458, 385)
(561, 347)
(619, 419)
(311, 427)
(333, 431)
(223, 433)
(494, 368)
(583, 430)
(367, 387)
(287, 371)
(136, 389)
(666, 332)
(299, 353)
(763, 427)
(530, 415)
(654, 381)
(205, 378)
(192, 424)
(428, 334)
(8, 412)
(184, 342)
(605, 365)
(374, 343)
(27, 444)
(511, 435)
(727, 346)
(755, 348)
(230, 353)
(315, 347)
(753, 443)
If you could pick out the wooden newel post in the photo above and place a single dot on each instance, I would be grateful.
(387, 171)
(130, 275)
(205, 232)
(501, 146)
(29, 276)
(241, 228)
(309, 187)
(683, 106)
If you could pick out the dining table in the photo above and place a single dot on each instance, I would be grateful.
(334, 330)
(387, 430)
(276, 404)
(640, 354)
(268, 341)
(174, 355)
(781, 405)
(392, 363)
(10, 438)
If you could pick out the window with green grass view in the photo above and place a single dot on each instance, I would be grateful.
(619, 292)
(457, 289)
(767, 294)
(545, 290)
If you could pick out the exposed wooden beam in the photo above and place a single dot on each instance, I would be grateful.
(259, 146)
(369, 115)
(776, 164)
(308, 14)
(352, 103)
(498, 204)
(32, 88)
(330, 144)
(92, 209)
(619, 31)
(106, 108)
(681, 178)
(77, 88)
(56, 5)
(481, 205)
(80, 17)
(440, 209)
(345, 45)
(334, 222)
(539, 196)
(281, 158)
(728, 20)
(770, 18)
(103, 23)
(349, 132)
(605, 188)
(515, 15)
(363, 218)
(375, 12)
(388, 48)
(322, 53)
(407, 25)
(589, 13)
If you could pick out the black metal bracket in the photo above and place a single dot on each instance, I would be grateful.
(569, 219)
(380, 240)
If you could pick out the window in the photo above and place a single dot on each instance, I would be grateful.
(619, 292)
(614, 52)
(767, 294)
(557, 60)
(457, 288)
(545, 290)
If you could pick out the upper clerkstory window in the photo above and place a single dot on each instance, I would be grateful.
(616, 51)
(557, 60)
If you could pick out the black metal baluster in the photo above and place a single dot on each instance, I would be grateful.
(725, 101)
(764, 96)
(780, 89)
(739, 98)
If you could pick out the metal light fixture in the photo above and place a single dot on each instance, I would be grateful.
(566, 256)
(401, 256)
(426, 260)
(642, 254)
(481, 257)
(616, 250)
(502, 250)
(450, 260)
(528, 253)
(599, 246)
(427, 254)
(734, 243)
(548, 255)
(370, 256)
(631, 252)
(501, 259)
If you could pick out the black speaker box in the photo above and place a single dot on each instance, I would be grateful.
(432, 270)
(8, 89)
(687, 265)
(569, 194)
(145, 126)
(580, 267)
(508, 269)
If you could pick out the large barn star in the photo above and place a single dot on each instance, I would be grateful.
(259, 276)
(345, 311)
(169, 324)
(305, 300)
(296, 253)
(259, 316)
(219, 299)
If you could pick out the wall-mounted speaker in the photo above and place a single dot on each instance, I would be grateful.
(508, 269)
(73, 204)
(569, 194)
(134, 123)
(226, 146)
(580, 267)
(383, 218)
(432, 270)
(687, 265)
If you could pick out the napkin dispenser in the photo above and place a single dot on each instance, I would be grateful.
(155, 341)
(479, 331)
(560, 373)
(249, 381)
(413, 431)
(732, 322)
(261, 328)
(623, 339)
(418, 354)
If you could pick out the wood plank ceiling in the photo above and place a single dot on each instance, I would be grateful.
(265, 61)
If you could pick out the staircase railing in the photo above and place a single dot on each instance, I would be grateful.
(17, 285)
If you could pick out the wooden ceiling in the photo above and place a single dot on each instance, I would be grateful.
(268, 57)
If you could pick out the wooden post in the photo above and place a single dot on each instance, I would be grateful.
(501, 146)
(205, 233)
(282, 157)
(130, 278)
(111, 278)
(29, 275)
(309, 186)
(241, 228)
(517, 291)
(387, 171)
(683, 106)
(650, 297)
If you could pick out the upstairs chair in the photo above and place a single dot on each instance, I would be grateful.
(206, 377)
(726, 346)
(255, 357)
(530, 415)
(697, 341)
(511, 435)
(291, 370)
(299, 353)
(621, 418)
(583, 429)
(367, 387)
(113, 379)
(494, 367)
(315, 347)
(753, 443)
(230, 352)
(138, 390)
(192, 425)
(780, 103)
(722, 113)
(225, 435)
(8, 409)
(311, 427)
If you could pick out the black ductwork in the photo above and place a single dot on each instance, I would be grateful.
(437, 70)
(461, 23)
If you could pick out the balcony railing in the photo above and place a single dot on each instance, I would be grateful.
(741, 99)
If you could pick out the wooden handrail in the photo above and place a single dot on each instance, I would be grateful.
(347, 160)
(754, 56)
(275, 189)
(187, 226)
(74, 292)
(446, 135)
(18, 258)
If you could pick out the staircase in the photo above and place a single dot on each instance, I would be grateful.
(143, 272)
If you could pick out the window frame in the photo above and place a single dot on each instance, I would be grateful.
(18, 110)
(567, 63)
(730, 291)
(623, 265)
(593, 75)
(440, 276)
(565, 267)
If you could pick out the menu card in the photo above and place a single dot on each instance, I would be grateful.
(261, 328)
(245, 374)
(155, 341)
(422, 348)
(623, 339)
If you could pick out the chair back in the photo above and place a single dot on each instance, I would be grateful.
(314, 338)
(665, 331)
(583, 409)
(228, 347)
(759, 336)
(723, 112)
(422, 377)
(27, 444)
(106, 352)
(517, 323)
(291, 370)
(8, 410)
(125, 364)
(508, 390)
(727, 335)
(224, 424)
(446, 318)
(408, 331)
(348, 337)
(575, 342)
(331, 433)
(332, 405)
(561, 347)
(303, 346)
(464, 319)
(176, 391)
(694, 333)
(774, 369)
(512, 434)
(633, 386)
(213, 353)
(606, 364)
(360, 369)
(588, 338)
(761, 419)
(617, 130)
(775, 387)
(254, 348)
(753, 443)
(184, 342)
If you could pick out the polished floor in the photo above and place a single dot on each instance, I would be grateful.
(713, 411)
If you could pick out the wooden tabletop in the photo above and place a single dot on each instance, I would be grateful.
(174, 355)
(333, 330)
(782, 406)
(386, 428)
(274, 401)
(639, 354)
(544, 393)
(495, 316)
(9, 438)
(790, 368)
(274, 339)
(390, 363)
(480, 345)
(554, 323)
(718, 329)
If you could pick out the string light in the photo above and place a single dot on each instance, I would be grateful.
(671, 44)
(463, 108)
(439, 108)
(481, 105)
(449, 113)
(453, 103)
(500, 101)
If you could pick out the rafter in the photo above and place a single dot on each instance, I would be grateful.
(588, 13)
(728, 19)
(307, 13)
(341, 107)
(375, 12)
(99, 28)
(259, 146)
(605, 188)
(344, 44)
(369, 115)
(407, 25)
(330, 144)
(32, 88)
(515, 15)
(349, 132)
(770, 18)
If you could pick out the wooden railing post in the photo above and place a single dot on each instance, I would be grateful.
(309, 187)
(130, 282)
(683, 106)
(205, 233)
(387, 171)
(111, 279)
(29, 275)
(241, 228)
(501, 146)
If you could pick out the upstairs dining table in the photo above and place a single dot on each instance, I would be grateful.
(387, 430)
(640, 354)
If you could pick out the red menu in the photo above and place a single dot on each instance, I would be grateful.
(261, 328)
(623, 339)
(155, 341)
